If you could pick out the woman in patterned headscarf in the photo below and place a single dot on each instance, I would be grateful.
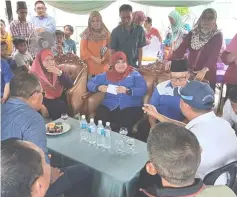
(94, 38)
(204, 43)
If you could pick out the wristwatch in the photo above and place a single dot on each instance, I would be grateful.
(60, 73)
(129, 91)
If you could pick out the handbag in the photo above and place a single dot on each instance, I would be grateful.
(192, 72)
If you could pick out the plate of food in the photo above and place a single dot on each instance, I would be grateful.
(57, 128)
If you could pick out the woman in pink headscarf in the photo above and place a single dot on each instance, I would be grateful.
(53, 82)
(229, 57)
(139, 18)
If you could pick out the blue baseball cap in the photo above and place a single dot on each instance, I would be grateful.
(198, 95)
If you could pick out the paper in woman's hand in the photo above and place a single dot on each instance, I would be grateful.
(112, 89)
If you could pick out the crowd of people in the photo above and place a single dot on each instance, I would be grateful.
(179, 118)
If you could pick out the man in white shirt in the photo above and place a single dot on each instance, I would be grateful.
(215, 135)
(230, 108)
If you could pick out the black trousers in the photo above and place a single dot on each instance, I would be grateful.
(56, 107)
(118, 118)
(76, 181)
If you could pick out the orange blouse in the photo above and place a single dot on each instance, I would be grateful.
(90, 48)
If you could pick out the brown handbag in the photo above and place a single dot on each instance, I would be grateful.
(192, 72)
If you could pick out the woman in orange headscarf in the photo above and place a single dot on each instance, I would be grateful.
(124, 89)
(53, 82)
(95, 37)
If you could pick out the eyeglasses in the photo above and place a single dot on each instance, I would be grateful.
(40, 8)
(180, 79)
(38, 91)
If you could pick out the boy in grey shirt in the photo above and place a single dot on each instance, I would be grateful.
(21, 56)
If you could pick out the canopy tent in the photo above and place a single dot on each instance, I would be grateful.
(87, 6)
(173, 3)
(80, 7)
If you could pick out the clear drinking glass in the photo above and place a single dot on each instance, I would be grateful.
(119, 146)
(123, 131)
(77, 116)
(130, 144)
(64, 116)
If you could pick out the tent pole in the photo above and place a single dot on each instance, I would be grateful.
(9, 11)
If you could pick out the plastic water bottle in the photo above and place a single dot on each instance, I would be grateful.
(83, 128)
(107, 144)
(92, 132)
(100, 134)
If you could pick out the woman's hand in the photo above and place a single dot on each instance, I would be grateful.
(97, 60)
(231, 57)
(3, 100)
(121, 90)
(103, 88)
(201, 74)
(150, 110)
(54, 69)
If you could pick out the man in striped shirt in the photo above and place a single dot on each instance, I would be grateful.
(21, 27)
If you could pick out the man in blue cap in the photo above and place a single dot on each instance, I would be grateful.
(215, 135)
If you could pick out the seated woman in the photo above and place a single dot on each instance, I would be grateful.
(121, 107)
(53, 82)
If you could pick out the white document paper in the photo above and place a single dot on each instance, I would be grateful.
(152, 49)
(112, 89)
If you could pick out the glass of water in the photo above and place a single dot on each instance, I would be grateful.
(130, 144)
(123, 131)
(64, 116)
(119, 146)
(77, 116)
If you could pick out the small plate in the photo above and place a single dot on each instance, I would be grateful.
(66, 128)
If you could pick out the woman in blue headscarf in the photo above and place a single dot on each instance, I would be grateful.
(178, 29)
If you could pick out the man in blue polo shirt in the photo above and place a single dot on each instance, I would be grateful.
(20, 119)
(165, 97)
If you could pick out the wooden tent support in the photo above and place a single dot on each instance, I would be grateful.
(9, 11)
